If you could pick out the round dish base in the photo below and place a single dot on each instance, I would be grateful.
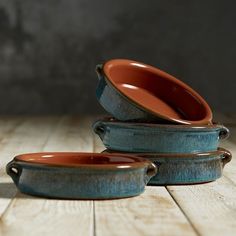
(76, 197)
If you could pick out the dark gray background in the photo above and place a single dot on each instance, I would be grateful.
(49, 48)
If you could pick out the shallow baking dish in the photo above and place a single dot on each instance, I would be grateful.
(130, 90)
(162, 138)
(80, 175)
(187, 168)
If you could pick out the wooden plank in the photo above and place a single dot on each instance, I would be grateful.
(210, 207)
(29, 136)
(20, 135)
(7, 128)
(34, 216)
(152, 213)
(72, 134)
(54, 217)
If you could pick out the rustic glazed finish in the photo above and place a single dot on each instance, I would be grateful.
(147, 137)
(80, 175)
(187, 168)
(131, 90)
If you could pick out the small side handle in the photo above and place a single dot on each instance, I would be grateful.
(14, 170)
(150, 172)
(99, 129)
(99, 70)
(224, 133)
(227, 156)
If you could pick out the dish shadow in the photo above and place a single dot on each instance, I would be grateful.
(9, 190)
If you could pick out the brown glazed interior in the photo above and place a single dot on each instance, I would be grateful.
(157, 92)
(83, 159)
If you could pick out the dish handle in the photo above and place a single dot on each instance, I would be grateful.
(99, 129)
(224, 133)
(14, 170)
(226, 157)
(99, 71)
(150, 172)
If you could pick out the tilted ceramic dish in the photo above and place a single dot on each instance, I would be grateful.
(131, 90)
(80, 175)
(187, 168)
(165, 138)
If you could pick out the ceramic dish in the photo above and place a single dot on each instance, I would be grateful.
(80, 175)
(131, 90)
(147, 137)
(187, 168)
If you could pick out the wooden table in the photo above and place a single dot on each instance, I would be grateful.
(206, 209)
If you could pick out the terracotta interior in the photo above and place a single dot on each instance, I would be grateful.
(81, 159)
(157, 92)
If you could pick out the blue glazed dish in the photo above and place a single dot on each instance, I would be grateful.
(114, 103)
(133, 91)
(186, 168)
(161, 138)
(80, 175)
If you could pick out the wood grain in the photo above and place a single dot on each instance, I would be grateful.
(21, 135)
(210, 207)
(152, 213)
(29, 136)
(41, 216)
(34, 216)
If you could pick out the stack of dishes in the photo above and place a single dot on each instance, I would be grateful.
(158, 117)
(162, 130)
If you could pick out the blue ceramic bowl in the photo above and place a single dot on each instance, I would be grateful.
(80, 175)
(187, 168)
(147, 137)
(131, 90)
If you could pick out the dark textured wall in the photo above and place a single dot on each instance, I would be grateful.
(49, 48)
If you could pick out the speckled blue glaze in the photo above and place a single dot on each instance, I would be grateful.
(78, 182)
(187, 168)
(144, 137)
(118, 105)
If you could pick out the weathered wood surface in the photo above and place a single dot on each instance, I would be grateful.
(206, 209)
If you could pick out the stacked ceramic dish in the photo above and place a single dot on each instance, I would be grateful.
(156, 116)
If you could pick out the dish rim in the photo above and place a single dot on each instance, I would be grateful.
(139, 162)
(219, 152)
(111, 120)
